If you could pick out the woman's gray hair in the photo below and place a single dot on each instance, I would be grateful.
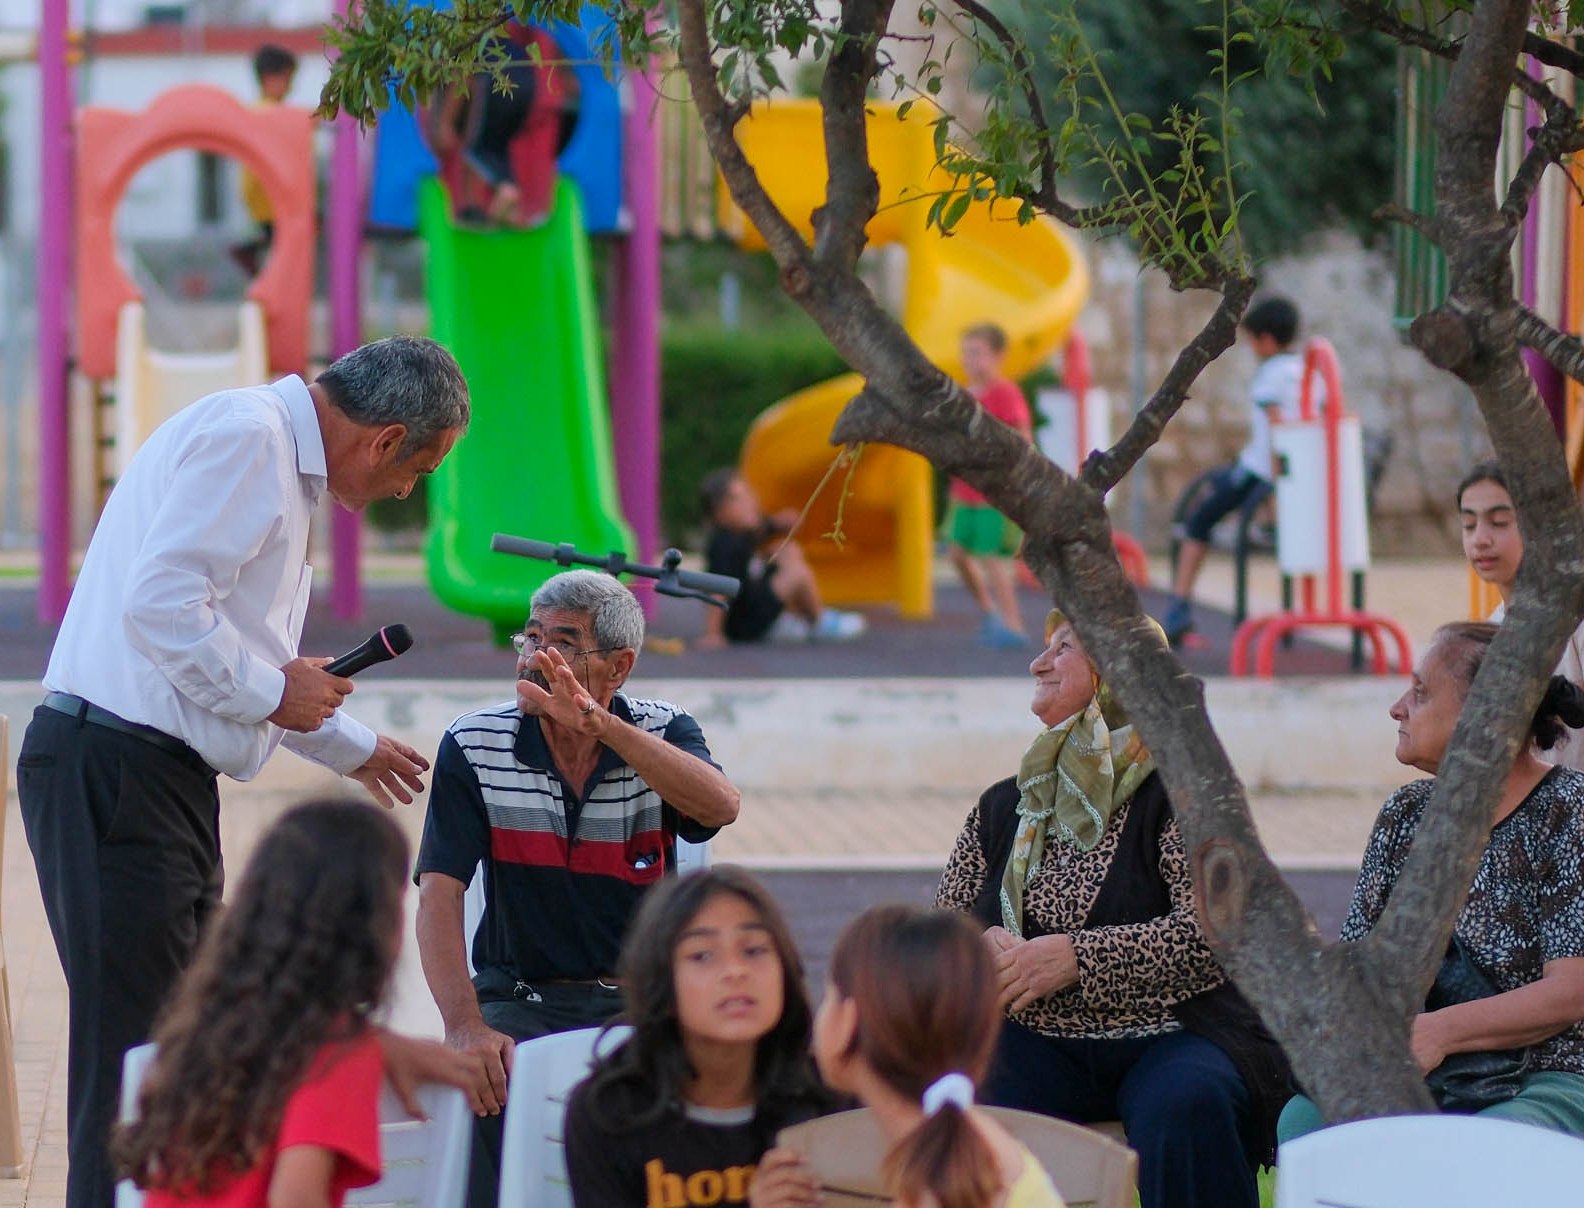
(400, 380)
(614, 613)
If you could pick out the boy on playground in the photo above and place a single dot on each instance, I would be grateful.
(275, 67)
(1271, 326)
(981, 541)
(779, 597)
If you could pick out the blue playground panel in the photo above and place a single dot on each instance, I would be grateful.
(592, 159)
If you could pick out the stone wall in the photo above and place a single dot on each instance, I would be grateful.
(1345, 294)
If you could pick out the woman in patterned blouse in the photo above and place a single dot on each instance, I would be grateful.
(1115, 1006)
(1523, 923)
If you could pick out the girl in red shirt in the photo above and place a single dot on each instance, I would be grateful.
(265, 1088)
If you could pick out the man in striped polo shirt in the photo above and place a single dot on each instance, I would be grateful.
(572, 797)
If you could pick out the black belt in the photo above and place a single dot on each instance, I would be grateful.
(76, 706)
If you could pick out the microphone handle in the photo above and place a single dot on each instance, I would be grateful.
(361, 659)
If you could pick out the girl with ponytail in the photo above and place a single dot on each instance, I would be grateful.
(908, 1025)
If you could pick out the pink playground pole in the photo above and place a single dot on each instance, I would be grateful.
(635, 372)
(344, 246)
(54, 271)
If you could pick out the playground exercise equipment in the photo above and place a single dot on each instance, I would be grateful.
(276, 144)
(1029, 279)
(1321, 479)
(670, 578)
(1076, 421)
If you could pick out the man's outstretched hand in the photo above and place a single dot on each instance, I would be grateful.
(392, 772)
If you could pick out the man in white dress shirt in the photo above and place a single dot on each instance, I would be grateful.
(177, 661)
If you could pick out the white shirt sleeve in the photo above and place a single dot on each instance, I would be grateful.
(216, 515)
(343, 744)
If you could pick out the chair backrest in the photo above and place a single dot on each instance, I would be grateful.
(425, 1162)
(1412, 1161)
(692, 857)
(133, 1067)
(533, 1154)
(846, 1150)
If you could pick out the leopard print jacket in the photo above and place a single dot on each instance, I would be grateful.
(1129, 976)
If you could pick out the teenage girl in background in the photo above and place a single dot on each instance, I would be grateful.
(1495, 547)
(265, 1090)
(718, 1060)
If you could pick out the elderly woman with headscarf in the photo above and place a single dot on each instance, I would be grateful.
(1116, 1008)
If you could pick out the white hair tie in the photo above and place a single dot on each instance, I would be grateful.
(948, 1088)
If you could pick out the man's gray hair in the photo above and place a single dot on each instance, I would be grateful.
(400, 380)
(613, 611)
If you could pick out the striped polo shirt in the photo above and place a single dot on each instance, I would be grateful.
(565, 865)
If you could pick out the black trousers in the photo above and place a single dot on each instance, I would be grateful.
(544, 1009)
(126, 840)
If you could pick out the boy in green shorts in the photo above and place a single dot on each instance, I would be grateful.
(983, 542)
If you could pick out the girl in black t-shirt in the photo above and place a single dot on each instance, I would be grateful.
(718, 1060)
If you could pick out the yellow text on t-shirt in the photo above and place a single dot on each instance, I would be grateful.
(700, 1189)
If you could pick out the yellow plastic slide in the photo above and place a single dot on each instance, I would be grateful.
(1029, 279)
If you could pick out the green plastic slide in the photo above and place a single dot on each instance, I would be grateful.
(517, 310)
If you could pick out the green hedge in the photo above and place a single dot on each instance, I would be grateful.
(714, 383)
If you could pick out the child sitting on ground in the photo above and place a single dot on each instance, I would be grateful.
(908, 1025)
(718, 1058)
(265, 1088)
(779, 596)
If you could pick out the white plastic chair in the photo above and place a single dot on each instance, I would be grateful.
(1418, 1161)
(533, 1154)
(692, 857)
(133, 1067)
(425, 1162)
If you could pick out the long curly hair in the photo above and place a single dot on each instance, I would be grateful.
(300, 958)
(641, 1081)
(924, 986)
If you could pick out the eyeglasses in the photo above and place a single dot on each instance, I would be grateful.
(528, 643)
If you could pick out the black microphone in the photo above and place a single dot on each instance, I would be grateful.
(381, 647)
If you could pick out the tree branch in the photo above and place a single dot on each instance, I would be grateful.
(1104, 470)
(1558, 137)
(1424, 224)
(1384, 20)
(1044, 160)
(719, 119)
(852, 190)
(1553, 54)
(1559, 348)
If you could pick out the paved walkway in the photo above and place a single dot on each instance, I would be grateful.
(837, 773)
